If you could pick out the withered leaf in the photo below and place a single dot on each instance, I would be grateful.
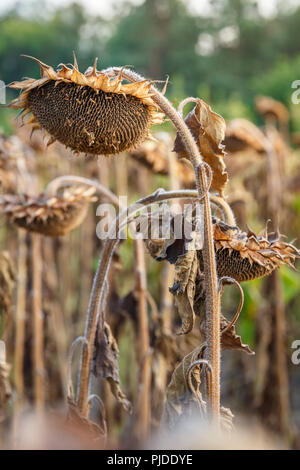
(74, 417)
(184, 289)
(180, 401)
(106, 363)
(208, 129)
(230, 339)
(226, 418)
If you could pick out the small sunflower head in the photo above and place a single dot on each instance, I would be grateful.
(239, 255)
(52, 216)
(242, 134)
(245, 256)
(269, 107)
(91, 112)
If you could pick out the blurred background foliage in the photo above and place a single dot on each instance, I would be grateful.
(226, 55)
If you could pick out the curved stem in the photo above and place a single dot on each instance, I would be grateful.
(98, 400)
(98, 290)
(54, 185)
(231, 280)
(61, 181)
(73, 347)
(184, 102)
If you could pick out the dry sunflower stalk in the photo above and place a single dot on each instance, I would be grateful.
(52, 216)
(91, 112)
(7, 283)
(95, 113)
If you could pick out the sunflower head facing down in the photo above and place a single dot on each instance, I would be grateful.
(49, 215)
(240, 255)
(92, 112)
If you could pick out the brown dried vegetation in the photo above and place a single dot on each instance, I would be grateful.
(170, 373)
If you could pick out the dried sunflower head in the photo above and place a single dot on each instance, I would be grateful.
(242, 134)
(240, 255)
(90, 112)
(245, 256)
(52, 216)
(267, 106)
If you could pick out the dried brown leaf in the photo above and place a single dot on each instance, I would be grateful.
(106, 363)
(180, 401)
(90, 428)
(230, 339)
(226, 418)
(184, 289)
(208, 129)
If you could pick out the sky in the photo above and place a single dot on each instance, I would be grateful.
(266, 7)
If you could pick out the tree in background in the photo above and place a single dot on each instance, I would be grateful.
(231, 48)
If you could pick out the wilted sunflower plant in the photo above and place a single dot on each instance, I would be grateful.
(108, 112)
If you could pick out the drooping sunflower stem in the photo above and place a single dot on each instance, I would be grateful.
(96, 300)
(20, 327)
(212, 298)
(38, 325)
(144, 409)
(62, 181)
(98, 289)
(210, 273)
